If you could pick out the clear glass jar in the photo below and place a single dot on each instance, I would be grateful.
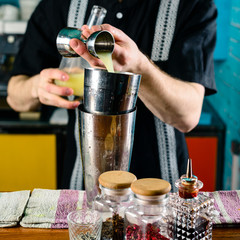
(150, 215)
(115, 197)
(193, 211)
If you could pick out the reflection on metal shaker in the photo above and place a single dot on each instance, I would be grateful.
(106, 144)
(110, 93)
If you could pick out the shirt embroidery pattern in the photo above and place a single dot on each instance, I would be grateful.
(77, 13)
(164, 30)
(76, 17)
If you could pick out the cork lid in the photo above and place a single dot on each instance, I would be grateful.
(116, 179)
(151, 187)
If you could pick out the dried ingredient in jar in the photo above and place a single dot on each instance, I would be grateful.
(85, 236)
(152, 231)
(112, 228)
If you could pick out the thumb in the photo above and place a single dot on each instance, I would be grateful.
(80, 48)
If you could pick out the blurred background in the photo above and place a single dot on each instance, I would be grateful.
(32, 144)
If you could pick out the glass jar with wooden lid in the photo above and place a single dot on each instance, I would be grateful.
(115, 197)
(150, 216)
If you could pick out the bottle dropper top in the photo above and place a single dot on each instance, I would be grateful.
(189, 169)
(188, 185)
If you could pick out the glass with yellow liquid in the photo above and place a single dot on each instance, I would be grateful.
(76, 75)
(73, 67)
(75, 81)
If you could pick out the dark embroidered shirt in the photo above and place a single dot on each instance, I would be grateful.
(190, 59)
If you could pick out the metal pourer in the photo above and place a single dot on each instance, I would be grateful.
(100, 41)
(188, 185)
(189, 169)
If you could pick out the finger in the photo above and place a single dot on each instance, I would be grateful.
(53, 73)
(84, 27)
(117, 33)
(54, 100)
(87, 32)
(48, 76)
(84, 31)
(96, 28)
(80, 48)
(58, 90)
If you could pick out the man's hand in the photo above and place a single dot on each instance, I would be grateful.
(27, 93)
(49, 93)
(126, 55)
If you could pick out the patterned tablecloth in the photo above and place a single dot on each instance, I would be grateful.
(49, 208)
(227, 204)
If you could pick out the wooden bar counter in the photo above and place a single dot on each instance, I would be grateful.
(62, 234)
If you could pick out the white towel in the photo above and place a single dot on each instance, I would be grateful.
(12, 205)
(49, 208)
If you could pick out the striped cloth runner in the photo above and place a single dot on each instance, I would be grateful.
(227, 205)
(49, 208)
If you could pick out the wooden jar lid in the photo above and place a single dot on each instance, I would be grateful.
(151, 187)
(116, 179)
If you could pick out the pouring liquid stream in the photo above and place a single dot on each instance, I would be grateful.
(106, 58)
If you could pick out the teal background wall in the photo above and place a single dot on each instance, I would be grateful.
(12, 2)
(227, 74)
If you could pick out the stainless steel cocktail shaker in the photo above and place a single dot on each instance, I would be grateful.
(110, 93)
(106, 144)
(106, 124)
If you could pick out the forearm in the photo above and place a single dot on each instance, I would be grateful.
(22, 93)
(175, 102)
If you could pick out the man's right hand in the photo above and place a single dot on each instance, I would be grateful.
(27, 93)
(50, 94)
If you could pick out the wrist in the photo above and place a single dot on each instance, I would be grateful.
(34, 86)
(146, 66)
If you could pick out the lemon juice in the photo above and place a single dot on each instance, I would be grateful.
(106, 58)
(76, 76)
(75, 81)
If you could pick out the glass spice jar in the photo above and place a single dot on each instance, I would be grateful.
(115, 196)
(149, 217)
(193, 211)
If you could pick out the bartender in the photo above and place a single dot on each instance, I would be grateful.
(170, 43)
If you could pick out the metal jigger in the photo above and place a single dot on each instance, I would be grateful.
(107, 124)
(100, 41)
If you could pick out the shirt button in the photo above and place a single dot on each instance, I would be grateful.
(119, 15)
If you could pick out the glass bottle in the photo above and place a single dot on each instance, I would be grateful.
(115, 196)
(193, 210)
(74, 64)
(150, 215)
